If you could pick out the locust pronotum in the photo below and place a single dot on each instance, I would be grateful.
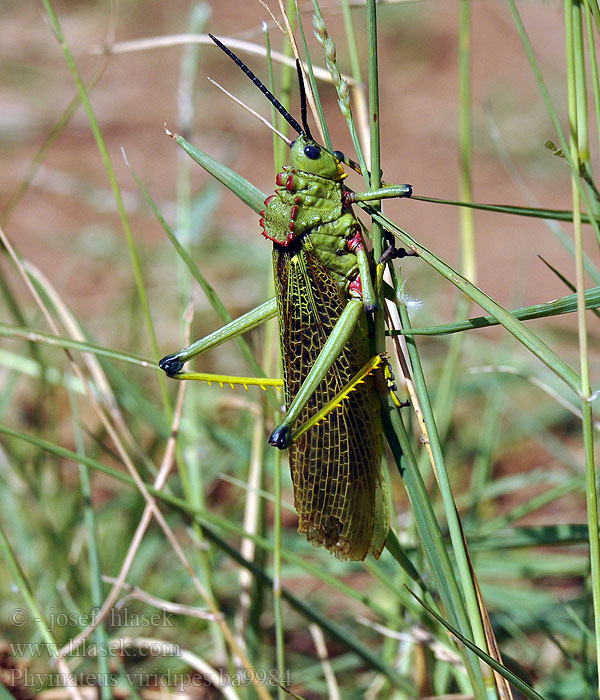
(332, 426)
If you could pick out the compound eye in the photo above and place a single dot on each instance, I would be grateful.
(339, 155)
(312, 152)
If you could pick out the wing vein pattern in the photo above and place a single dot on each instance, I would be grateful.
(339, 490)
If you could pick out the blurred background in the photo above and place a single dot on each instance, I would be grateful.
(58, 210)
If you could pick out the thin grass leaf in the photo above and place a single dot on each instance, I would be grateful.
(429, 533)
(525, 688)
(245, 190)
(93, 546)
(36, 336)
(466, 575)
(564, 305)
(532, 212)
(523, 334)
(529, 536)
(98, 137)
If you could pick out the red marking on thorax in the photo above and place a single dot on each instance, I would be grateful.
(347, 198)
(289, 185)
(288, 239)
(356, 242)
(355, 287)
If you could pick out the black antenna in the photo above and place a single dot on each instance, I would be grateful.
(265, 91)
(303, 100)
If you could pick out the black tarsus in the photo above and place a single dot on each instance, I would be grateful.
(281, 437)
(303, 101)
(263, 88)
(171, 365)
(393, 253)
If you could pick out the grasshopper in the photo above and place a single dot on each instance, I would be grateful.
(323, 296)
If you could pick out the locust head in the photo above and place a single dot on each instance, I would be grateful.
(307, 156)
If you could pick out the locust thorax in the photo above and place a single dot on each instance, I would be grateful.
(309, 194)
(308, 156)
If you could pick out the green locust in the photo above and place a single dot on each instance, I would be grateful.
(332, 426)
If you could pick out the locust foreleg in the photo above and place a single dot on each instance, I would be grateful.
(386, 192)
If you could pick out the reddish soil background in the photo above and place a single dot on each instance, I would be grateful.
(138, 92)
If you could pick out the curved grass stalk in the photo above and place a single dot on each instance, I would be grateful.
(237, 45)
(499, 668)
(9, 331)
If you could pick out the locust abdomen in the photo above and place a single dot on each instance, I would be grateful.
(339, 489)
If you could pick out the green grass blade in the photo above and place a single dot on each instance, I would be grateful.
(245, 190)
(430, 535)
(98, 137)
(579, 151)
(93, 546)
(29, 334)
(525, 688)
(464, 573)
(532, 212)
(564, 305)
(20, 580)
(515, 327)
